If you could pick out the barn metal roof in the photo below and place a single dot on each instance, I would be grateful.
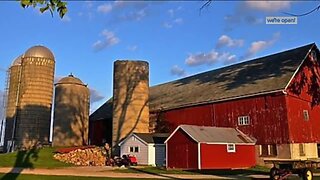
(206, 134)
(263, 75)
(103, 112)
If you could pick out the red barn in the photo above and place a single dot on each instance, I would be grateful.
(203, 147)
(274, 99)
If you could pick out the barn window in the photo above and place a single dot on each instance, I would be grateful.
(302, 150)
(231, 148)
(306, 115)
(268, 150)
(243, 120)
(134, 149)
(273, 150)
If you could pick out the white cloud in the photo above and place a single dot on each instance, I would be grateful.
(254, 12)
(177, 71)
(202, 58)
(172, 12)
(225, 40)
(104, 8)
(228, 58)
(125, 10)
(95, 96)
(136, 15)
(109, 39)
(210, 58)
(88, 4)
(258, 46)
(167, 25)
(133, 48)
(177, 21)
(268, 6)
(66, 18)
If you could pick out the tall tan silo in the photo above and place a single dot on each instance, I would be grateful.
(14, 79)
(71, 112)
(34, 98)
(130, 99)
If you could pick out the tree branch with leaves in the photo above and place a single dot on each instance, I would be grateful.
(47, 5)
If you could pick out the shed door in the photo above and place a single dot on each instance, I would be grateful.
(160, 155)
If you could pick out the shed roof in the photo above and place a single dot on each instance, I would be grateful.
(153, 138)
(263, 75)
(206, 134)
(149, 138)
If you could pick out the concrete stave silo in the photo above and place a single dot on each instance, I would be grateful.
(14, 80)
(71, 112)
(33, 100)
(130, 100)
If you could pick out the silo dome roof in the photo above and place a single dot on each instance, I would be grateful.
(39, 51)
(17, 61)
(70, 80)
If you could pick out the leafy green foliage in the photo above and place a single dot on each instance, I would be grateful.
(45, 5)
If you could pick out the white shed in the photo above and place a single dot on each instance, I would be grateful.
(148, 148)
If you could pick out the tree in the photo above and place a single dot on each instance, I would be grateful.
(45, 5)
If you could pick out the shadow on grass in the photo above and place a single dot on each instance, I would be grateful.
(227, 173)
(22, 161)
(231, 172)
(152, 173)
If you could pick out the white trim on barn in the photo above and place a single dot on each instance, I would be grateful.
(229, 143)
(151, 154)
(180, 126)
(297, 70)
(199, 155)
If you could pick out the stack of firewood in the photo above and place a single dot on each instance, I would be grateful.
(83, 157)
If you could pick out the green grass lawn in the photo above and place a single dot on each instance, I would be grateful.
(42, 158)
(42, 177)
(158, 170)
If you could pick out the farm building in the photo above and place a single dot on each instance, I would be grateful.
(274, 99)
(204, 147)
(148, 148)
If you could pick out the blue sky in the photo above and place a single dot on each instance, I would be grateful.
(174, 37)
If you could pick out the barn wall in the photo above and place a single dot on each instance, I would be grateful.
(182, 151)
(100, 132)
(197, 115)
(215, 156)
(303, 94)
(310, 151)
(267, 115)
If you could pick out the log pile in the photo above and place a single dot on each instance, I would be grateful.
(92, 156)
